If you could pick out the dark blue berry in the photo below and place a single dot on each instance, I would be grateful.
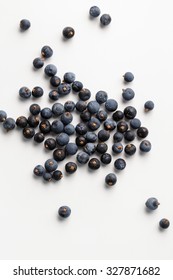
(85, 116)
(71, 149)
(50, 70)
(57, 175)
(94, 123)
(57, 109)
(45, 126)
(101, 96)
(120, 164)
(106, 158)
(68, 32)
(145, 146)
(46, 113)
(81, 106)
(128, 77)
(94, 11)
(62, 139)
(77, 86)
(50, 165)
(25, 24)
(81, 141)
(59, 154)
(70, 167)
(55, 81)
(117, 148)
(111, 179)
(82, 157)
(149, 105)
(101, 148)
(54, 95)
(164, 223)
(109, 124)
(24, 92)
(57, 126)
(81, 128)
(34, 109)
(3, 116)
(9, 124)
(39, 137)
(94, 164)
(103, 135)
(64, 89)
(69, 106)
(21, 122)
(122, 126)
(38, 63)
(93, 107)
(152, 203)
(33, 121)
(135, 123)
(89, 148)
(128, 94)
(105, 19)
(118, 137)
(142, 132)
(130, 112)
(130, 149)
(84, 94)
(39, 170)
(64, 211)
(28, 132)
(47, 176)
(69, 129)
(69, 77)
(37, 92)
(91, 137)
(46, 52)
(118, 115)
(111, 105)
(66, 118)
(101, 115)
(129, 135)
(50, 144)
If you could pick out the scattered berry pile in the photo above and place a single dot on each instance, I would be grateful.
(99, 119)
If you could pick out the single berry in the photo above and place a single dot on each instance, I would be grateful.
(103, 135)
(81, 105)
(46, 113)
(64, 211)
(149, 105)
(69, 77)
(24, 92)
(50, 70)
(57, 126)
(69, 129)
(3, 116)
(84, 94)
(135, 123)
(94, 163)
(152, 203)
(82, 157)
(21, 122)
(111, 179)
(77, 86)
(101, 115)
(45, 126)
(128, 94)
(85, 116)
(118, 116)
(62, 139)
(46, 52)
(34, 109)
(55, 81)
(120, 164)
(129, 135)
(164, 223)
(50, 143)
(118, 137)
(70, 167)
(25, 24)
(57, 109)
(142, 132)
(81, 141)
(38, 63)
(93, 124)
(117, 148)
(89, 148)
(128, 77)
(68, 32)
(91, 137)
(94, 11)
(57, 175)
(39, 170)
(64, 89)
(59, 154)
(109, 124)
(9, 124)
(130, 149)
(69, 106)
(39, 137)
(71, 149)
(105, 19)
(81, 128)
(47, 176)
(33, 121)
(122, 126)
(28, 132)
(130, 112)
(101, 96)
(54, 95)
(101, 148)
(145, 146)
(111, 105)
(106, 158)
(93, 107)
(66, 118)
(37, 92)
(50, 165)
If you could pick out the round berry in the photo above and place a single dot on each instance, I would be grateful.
(130, 149)
(164, 223)
(84, 94)
(101, 96)
(94, 163)
(128, 77)
(46, 113)
(105, 19)
(106, 158)
(82, 157)
(50, 70)
(111, 105)
(70, 167)
(55, 81)
(39, 137)
(68, 32)
(38, 63)
(39, 170)
(21, 122)
(94, 11)
(145, 146)
(142, 132)
(57, 175)
(59, 154)
(149, 105)
(50, 165)
(71, 149)
(45, 126)
(118, 116)
(28, 132)
(3, 116)
(54, 95)
(77, 86)
(24, 92)
(120, 164)
(128, 94)
(37, 92)
(25, 24)
(64, 89)
(46, 52)
(111, 179)
(129, 135)
(117, 148)
(130, 112)
(135, 123)
(69, 77)
(34, 109)
(152, 203)
(64, 211)
(50, 144)
(9, 124)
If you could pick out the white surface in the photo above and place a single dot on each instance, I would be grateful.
(105, 223)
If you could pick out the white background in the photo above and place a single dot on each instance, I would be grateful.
(105, 223)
